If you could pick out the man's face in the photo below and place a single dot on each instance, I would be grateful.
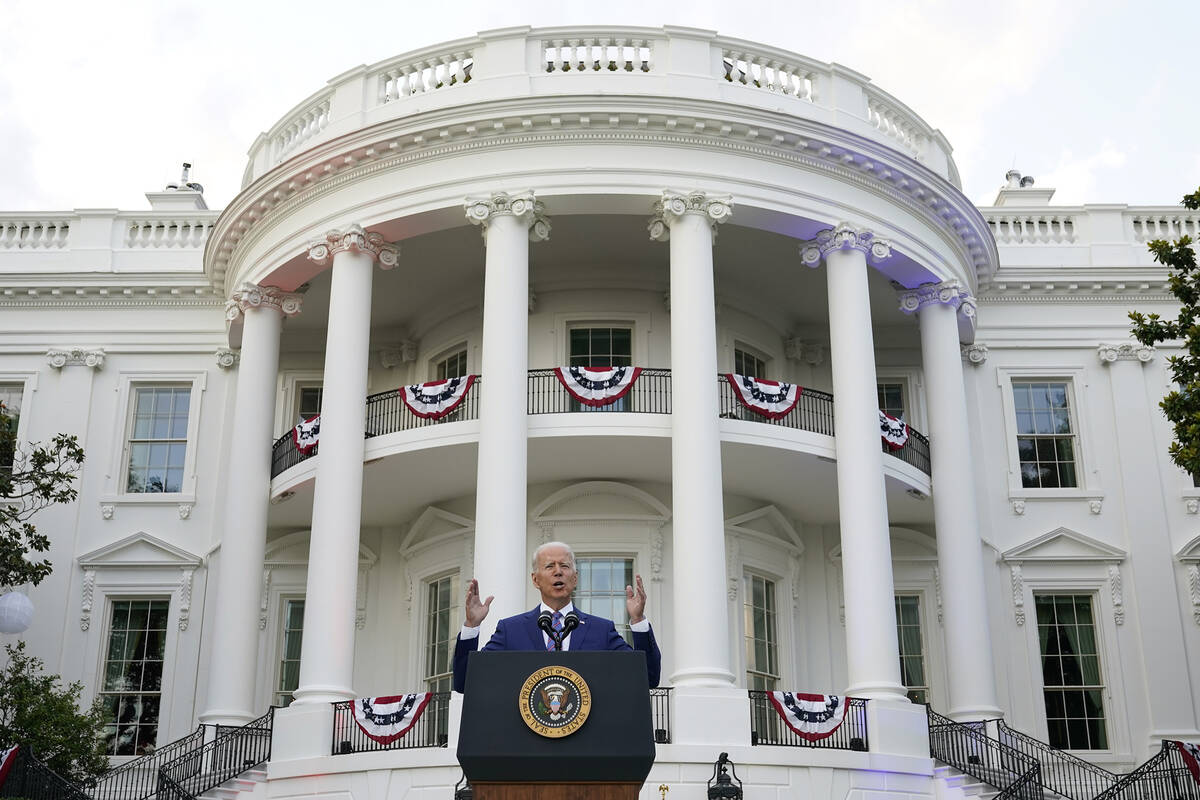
(555, 577)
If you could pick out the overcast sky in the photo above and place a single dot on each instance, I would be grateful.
(101, 101)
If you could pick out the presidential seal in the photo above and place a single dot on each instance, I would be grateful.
(555, 702)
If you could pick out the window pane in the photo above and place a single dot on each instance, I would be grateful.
(133, 674)
(1074, 712)
(601, 589)
(158, 439)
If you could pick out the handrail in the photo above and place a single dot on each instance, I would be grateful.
(137, 779)
(1062, 772)
(969, 749)
(430, 729)
(766, 728)
(1163, 777)
(233, 751)
(31, 779)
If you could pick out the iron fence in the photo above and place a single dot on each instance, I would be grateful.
(138, 779)
(766, 728)
(1163, 777)
(650, 394)
(1061, 772)
(29, 778)
(431, 729)
(969, 749)
(660, 712)
(233, 751)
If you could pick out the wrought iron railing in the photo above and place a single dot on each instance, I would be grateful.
(1163, 777)
(1061, 772)
(660, 712)
(29, 778)
(766, 728)
(138, 779)
(969, 749)
(231, 752)
(430, 730)
(650, 394)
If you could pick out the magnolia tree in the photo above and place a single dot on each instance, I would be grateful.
(1182, 406)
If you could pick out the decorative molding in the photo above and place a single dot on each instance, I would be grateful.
(1118, 598)
(354, 240)
(667, 301)
(547, 531)
(732, 571)
(523, 206)
(656, 554)
(251, 295)
(975, 354)
(1018, 592)
(841, 590)
(812, 353)
(1125, 351)
(1095, 506)
(1063, 545)
(844, 237)
(794, 562)
(107, 510)
(395, 355)
(185, 597)
(227, 358)
(1192, 504)
(672, 206)
(185, 510)
(75, 357)
(947, 293)
(1018, 507)
(1194, 590)
(360, 599)
(264, 598)
(90, 295)
(937, 594)
(85, 607)
(408, 588)
(468, 569)
(532, 301)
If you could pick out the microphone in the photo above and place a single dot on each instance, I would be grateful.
(545, 624)
(570, 622)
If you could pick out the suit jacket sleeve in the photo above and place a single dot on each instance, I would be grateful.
(464, 647)
(644, 642)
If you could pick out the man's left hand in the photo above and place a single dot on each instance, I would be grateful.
(635, 602)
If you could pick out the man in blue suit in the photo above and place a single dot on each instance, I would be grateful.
(555, 578)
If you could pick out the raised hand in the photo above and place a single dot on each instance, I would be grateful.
(635, 602)
(477, 611)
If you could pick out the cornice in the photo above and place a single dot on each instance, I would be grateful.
(794, 141)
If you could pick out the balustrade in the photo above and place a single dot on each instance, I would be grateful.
(1148, 227)
(423, 75)
(301, 127)
(598, 53)
(44, 234)
(1048, 228)
(185, 232)
(906, 128)
(766, 728)
(785, 77)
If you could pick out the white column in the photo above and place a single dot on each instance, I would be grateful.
(701, 625)
(327, 651)
(233, 658)
(872, 652)
(969, 667)
(501, 513)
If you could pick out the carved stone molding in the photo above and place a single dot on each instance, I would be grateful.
(656, 554)
(732, 568)
(227, 358)
(89, 591)
(1018, 507)
(107, 510)
(975, 354)
(1125, 351)
(185, 510)
(1192, 504)
(937, 594)
(1194, 590)
(547, 532)
(716, 208)
(251, 295)
(844, 237)
(795, 576)
(75, 357)
(1118, 597)
(354, 240)
(1018, 592)
(360, 600)
(395, 355)
(264, 598)
(946, 293)
(1095, 506)
(524, 206)
(812, 353)
(185, 598)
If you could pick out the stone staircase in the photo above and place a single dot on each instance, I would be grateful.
(250, 785)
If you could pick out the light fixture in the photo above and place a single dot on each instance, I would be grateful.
(721, 786)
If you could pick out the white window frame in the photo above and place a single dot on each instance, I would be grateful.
(442, 353)
(285, 597)
(778, 583)
(769, 361)
(638, 324)
(123, 428)
(914, 396)
(751, 551)
(924, 621)
(106, 634)
(622, 554)
(423, 608)
(28, 382)
(1076, 380)
(287, 403)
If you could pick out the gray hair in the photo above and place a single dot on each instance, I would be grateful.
(533, 562)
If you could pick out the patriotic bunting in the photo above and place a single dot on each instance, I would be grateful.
(893, 431)
(771, 399)
(307, 434)
(1191, 757)
(7, 759)
(597, 387)
(386, 719)
(436, 399)
(812, 716)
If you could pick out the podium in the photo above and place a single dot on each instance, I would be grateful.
(521, 737)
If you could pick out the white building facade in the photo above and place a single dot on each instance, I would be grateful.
(661, 198)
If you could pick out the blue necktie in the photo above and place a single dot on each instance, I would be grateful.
(556, 622)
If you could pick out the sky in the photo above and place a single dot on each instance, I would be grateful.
(100, 102)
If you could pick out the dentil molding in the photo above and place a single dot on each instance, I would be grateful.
(672, 206)
(844, 237)
(1125, 351)
(522, 206)
(354, 240)
(75, 357)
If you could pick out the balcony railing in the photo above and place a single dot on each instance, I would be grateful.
(431, 730)
(766, 728)
(651, 394)
(660, 712)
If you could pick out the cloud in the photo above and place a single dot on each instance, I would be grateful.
(1076, 178)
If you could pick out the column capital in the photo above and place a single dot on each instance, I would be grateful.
(974, 353)
(844, 237)
(251, 295)
(716, 208)
(355, 240)
(523, 206)
(947, 293)
(1125, 351)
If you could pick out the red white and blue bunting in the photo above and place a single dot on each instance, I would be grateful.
(386, 719)
(811, 716)
(771, 399)
(7, 759)
(436, 399)
(597, 387)
(1191, 757)
(894, 431)
(307, 434)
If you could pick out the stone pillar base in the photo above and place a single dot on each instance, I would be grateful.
(302, 731)
(897, 727)
(709, 716)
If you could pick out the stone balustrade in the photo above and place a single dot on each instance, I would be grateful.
(669, 62)
(34, 233)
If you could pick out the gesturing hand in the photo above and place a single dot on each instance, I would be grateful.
(635, 602)
(477, 611)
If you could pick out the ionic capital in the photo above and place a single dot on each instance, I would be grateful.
(1125, 351)
(354, 240)
(251, 295)
(844, 237)
(947, 293)
(524, 207)
(716, 208)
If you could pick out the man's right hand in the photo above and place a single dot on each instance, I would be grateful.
(476, 611)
